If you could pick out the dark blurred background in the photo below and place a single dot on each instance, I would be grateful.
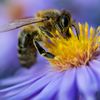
(81, 10)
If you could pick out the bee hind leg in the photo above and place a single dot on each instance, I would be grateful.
(42, 51)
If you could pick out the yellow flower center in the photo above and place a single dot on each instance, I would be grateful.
(72, 52)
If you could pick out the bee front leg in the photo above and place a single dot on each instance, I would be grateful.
(98, 30)
(75, 25)
(42, 51)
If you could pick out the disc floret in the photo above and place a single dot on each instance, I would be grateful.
(73, 52)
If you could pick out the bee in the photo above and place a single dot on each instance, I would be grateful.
(44, 22)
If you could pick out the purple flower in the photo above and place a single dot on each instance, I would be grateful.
(74, 75)
(44, 81)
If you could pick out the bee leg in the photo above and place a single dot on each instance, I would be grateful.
(42, 51)
(98, 30)
(75, 25)
(45, 31)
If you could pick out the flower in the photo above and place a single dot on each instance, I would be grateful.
(84, 47)
(77, 73)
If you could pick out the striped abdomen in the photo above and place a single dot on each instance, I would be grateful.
(26, 50)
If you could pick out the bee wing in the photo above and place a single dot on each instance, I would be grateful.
(19, 23)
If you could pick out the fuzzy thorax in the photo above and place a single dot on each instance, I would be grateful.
(72, 52)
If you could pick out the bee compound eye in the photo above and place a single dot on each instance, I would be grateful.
(64, 21)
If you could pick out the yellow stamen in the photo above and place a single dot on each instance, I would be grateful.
(72, 52)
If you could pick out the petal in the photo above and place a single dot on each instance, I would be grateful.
(24, 79)
(51, 89)
(95, 66)
(98, 95)
(25, 90)
(20, 79)
(86, 83)
(67, 89)
(26, 74)
(18, 86)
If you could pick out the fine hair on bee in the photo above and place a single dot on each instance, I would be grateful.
(30, 37)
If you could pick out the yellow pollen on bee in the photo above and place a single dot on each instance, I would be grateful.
(73, 52)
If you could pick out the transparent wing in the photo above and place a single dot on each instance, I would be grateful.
(19, 23)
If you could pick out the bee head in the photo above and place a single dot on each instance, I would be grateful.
(63, 23)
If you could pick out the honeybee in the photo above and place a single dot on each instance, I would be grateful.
(44, 22)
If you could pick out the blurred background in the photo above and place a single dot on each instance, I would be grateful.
(81, 10)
